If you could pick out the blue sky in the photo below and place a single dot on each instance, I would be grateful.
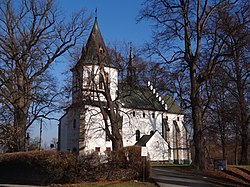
(117, 22)
(116, 18)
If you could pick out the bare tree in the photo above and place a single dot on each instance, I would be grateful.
(219, 118)
(112, 111)
(33, 34)
(186, 32)
(236, 27)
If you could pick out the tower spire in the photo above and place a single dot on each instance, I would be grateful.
(131, 76)
(95, 51)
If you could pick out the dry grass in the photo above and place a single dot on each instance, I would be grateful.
(233, 176)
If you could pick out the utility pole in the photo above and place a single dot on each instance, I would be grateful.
(40, 137)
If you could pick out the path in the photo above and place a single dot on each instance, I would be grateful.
(169, 177)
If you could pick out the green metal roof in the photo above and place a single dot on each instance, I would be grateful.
(141, 97)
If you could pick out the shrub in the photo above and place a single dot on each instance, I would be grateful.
(125, 164)
(38, 167)
(46, 167)
(91, 167)
(130, 158)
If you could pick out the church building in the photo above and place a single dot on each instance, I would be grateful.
(145, 117)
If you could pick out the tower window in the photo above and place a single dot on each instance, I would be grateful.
(143, 114)
(101, 51)
(89, 78)
(133, 113)
(101, 82)
(178, 118)
(153, 115)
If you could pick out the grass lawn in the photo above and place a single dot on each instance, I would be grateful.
(171, 165)
(118, 184)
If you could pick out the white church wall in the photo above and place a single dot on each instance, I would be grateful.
(142, 120)
(133, 120)
(70, 131)
(171, 134)
(113, 78)
(95, 134)
(63, 133)
(157, 148)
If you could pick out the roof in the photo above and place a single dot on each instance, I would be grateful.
(95, 51)
(141, 97)
(144, 140)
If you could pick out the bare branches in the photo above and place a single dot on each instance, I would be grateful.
(188, 34)
(32, 36)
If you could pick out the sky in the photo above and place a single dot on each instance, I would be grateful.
(117, 22)
(116, 18)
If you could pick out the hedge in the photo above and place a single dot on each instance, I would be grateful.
(47, 167)
(38, 167)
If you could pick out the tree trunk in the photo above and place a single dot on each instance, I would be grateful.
(243, 119)
(199, 160)
(118, 143)
(244, 128)
(244, 139)
(115, 118)
(113, 114)
(236, 150)
(223, 138)
(224, 151)
(20, 122)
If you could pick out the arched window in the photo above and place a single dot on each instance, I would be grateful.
(176, 126)
(153, 115)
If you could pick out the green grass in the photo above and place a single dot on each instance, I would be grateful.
(119, 184)
(162, 164)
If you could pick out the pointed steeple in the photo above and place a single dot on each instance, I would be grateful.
(131, 74)
(95, 51)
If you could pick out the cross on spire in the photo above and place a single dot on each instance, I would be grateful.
(96, 13)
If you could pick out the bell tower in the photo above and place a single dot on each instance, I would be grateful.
(88, 78)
